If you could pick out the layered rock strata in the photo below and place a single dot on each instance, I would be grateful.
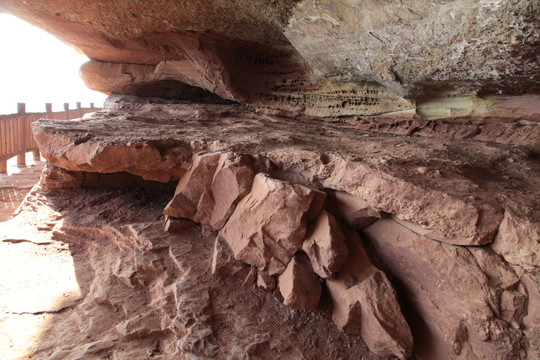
(243, 174)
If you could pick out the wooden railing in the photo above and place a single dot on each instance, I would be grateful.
(16, 137)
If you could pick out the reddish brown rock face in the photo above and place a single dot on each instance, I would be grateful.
(232, 181)
(314, 57)
(447, 243)
(353, 211)
(325, 246)
(223, 261)
(365, 303)
(298, 284)
(269, 224)
(454, 291)
(192, 189)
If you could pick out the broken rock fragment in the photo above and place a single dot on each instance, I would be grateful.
(193, 185)
(325, 246)
(269, 224)
(210, 190)
(518, 239)
(223, 261)
(265, 281)
(298, 284)
(231, 182)
(365, 303)
(175, 224)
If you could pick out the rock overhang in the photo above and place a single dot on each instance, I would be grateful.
(295, 52)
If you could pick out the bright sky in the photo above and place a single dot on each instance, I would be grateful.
(36, 68)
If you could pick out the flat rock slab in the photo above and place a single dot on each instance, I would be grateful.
(455, 189)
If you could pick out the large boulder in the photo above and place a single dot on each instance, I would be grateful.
(230, 183)
(211, 188)
(269, 224)
(193, 186)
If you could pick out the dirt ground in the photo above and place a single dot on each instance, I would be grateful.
(90, 274)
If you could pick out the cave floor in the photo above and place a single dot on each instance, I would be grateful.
(90, 273)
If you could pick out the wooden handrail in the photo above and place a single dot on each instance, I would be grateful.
(16, 137)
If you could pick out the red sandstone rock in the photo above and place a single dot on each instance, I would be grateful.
(210, 190)
(332, 36)
(193, 187)
(317, 204)
(531, 321)
(174, 224)
(85, 152)
(325, 246)
(355, 212)
(518, 239)
(231, 182)
(370, 309)
(298, 284)
(442, 203)
(499, 273)
(251, 278)
(269, 224)
(461, 221)
(251, 37)
(142, 325)
(265, 281)
(366, 304)
(452, 291)
(223, 261)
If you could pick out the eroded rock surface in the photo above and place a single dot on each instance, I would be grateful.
(325, 246)
(365, 303)
(419, 119)
(269, 224)
(455, 291)
(298, 284)
(418, 179)
(254, 184)
(398, 44)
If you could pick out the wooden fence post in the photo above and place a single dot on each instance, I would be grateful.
(79, 110)
(4, 146)
(66, 110)
(35, 153)
(21, 134)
